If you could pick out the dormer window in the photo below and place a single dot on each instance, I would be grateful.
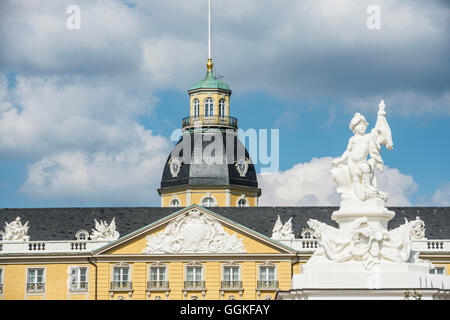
(222, 108)
(209, 107)
(196, 108)
(82, 235)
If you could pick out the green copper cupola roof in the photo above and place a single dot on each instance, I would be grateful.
(210, 82)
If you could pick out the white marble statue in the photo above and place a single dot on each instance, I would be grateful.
(103, 231)
(362, 218)
(361, 241)
(15, 231)
(283, 231)
(353, 172)
(417, 229)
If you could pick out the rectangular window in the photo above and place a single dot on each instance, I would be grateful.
(158, 278)
(194, 278)
(438, 270)
(231, 274)
(158, 274)
(231, 278)
(267, 273)
(267, 278)
(121, 274)
(78, 279)
(194, 274)
(35, 280)
(121, 279)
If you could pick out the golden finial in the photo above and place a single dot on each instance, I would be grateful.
(210, 65)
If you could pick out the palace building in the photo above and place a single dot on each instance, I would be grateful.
(208, 240)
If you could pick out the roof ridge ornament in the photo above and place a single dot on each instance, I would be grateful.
(103, 231)
(16, 231)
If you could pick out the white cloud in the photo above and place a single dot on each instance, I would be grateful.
(127, 177)
(41, 115)
(441, 197)
(403, 102)
(311, 184)
(83, 137)
(305, 49)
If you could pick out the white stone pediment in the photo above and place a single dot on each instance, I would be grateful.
(194, 232)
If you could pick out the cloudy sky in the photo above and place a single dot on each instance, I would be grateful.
(86, 115)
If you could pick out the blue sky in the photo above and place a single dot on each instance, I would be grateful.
(86, 115)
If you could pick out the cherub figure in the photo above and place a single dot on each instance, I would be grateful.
(357, 178)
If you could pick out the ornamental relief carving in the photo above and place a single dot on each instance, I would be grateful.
(194, 232)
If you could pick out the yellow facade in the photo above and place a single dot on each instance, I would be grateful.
(127, 251)
(226, 196)
(216, 96)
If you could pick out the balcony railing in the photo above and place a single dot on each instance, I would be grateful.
(38, 247)
(194, 285)
(121, 285)
(35, 287)
(157, 285)
(231, 285)
(1, 287)
(222, 121)
(267, 285)
(79, 286)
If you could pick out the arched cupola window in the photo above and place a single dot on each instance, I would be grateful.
(222, 110)
(196, 105)
(209, 201)
(175, 203)
(209, 107)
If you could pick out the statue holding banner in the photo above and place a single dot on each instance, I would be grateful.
(352, 172)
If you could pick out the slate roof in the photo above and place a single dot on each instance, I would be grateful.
(62, 223)
(209, 174)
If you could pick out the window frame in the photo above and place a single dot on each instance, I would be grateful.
(222, 108)
(27, 279)
(158, 266)
(275, 281)
(441, 267)
(171, 205)
(80, 233)
(209, 107)
(79, 289)
(246, 205)
(120, 288)
(215, 204)
(194, 287)
(196, 107)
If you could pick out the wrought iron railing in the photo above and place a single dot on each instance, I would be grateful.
(121, 285)
(267, 285)
(79, 286)
(226, 121)
(35, 287)
(231, 285)
(152, 285)
(194, 285)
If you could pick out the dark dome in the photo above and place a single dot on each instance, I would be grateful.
(209, 174)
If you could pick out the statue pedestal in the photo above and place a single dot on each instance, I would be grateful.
(352, 275)
(349, 280)
(373, 209)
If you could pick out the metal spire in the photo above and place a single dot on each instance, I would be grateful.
(210, 64)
